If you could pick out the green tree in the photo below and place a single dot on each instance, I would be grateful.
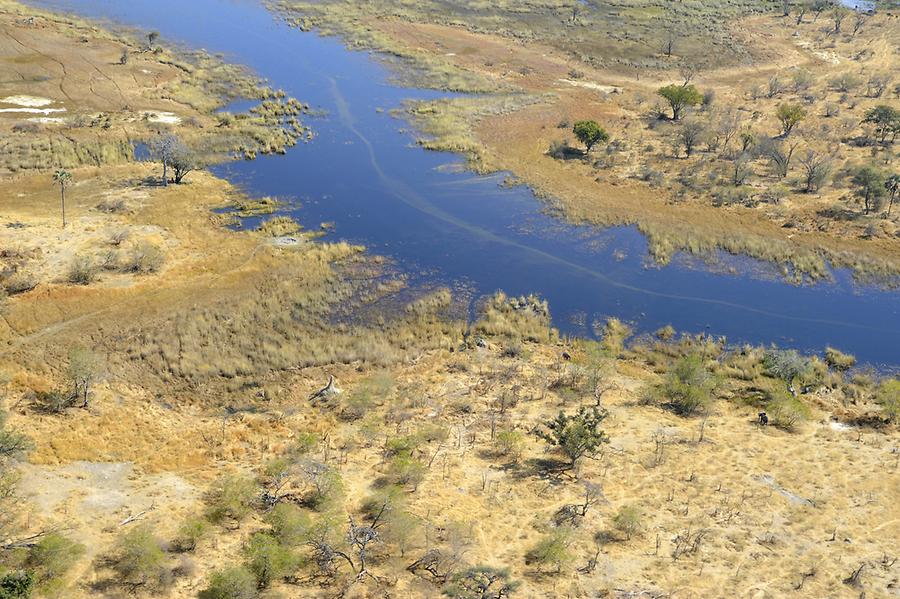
(590, 134)
(789, 114)
(680, 97)
(892, 186)
(885, 120)
(290, 525)
(870, 186)
(786, 410)
(838, 14)
(63, 178)
(577, 435)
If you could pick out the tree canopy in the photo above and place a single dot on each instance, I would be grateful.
(680, 97)
(590, 133)
(886, 120)
(789, 114)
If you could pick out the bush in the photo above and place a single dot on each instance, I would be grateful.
(233, 583)
(838, 360)
(577, 435)
(888, 395)
(689, 385)
(290, 525)
(190, 533)
(628, 521)
(20, 282)
(267, 559)
(139, 560)
(510, 444)
(52, 558)
(145, 259)
(16, 585)
(787, 365)
(481, 582)
(552, 550)
(231, 497)
(406, 470)
(83, 270)
(786, 411)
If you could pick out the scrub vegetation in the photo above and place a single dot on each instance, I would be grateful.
(191, 409)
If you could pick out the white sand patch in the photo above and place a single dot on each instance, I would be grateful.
(29, 101)
(168, 118)
(33, 110)
(829, 57)
(839, 426)
(47, 120)
(606, 89)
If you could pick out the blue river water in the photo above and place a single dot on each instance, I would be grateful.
(364, 174)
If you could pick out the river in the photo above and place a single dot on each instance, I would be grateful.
(443, 225)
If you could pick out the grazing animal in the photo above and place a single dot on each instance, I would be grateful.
(763, 419)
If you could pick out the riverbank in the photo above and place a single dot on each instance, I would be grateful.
(642, 177)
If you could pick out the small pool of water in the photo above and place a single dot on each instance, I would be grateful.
(445, 225)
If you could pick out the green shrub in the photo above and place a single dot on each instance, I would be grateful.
(52, 558)
(267, 559)
(786, 411)
(190, 533)
(16, 585)
(689, 385)
(232, 583)
(552, 551)
(577, 435)
(628, 521)
(510, 444)
(231, 497)
(290, 525)
(139, 560)
(406, 470)
(888, 395)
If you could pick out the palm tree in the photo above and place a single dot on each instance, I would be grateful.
(893, 187)
(63, 178)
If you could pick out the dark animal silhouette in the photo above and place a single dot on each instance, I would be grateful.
(763, 419)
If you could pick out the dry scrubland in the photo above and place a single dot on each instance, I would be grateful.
(161, 434)
(743, 188)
